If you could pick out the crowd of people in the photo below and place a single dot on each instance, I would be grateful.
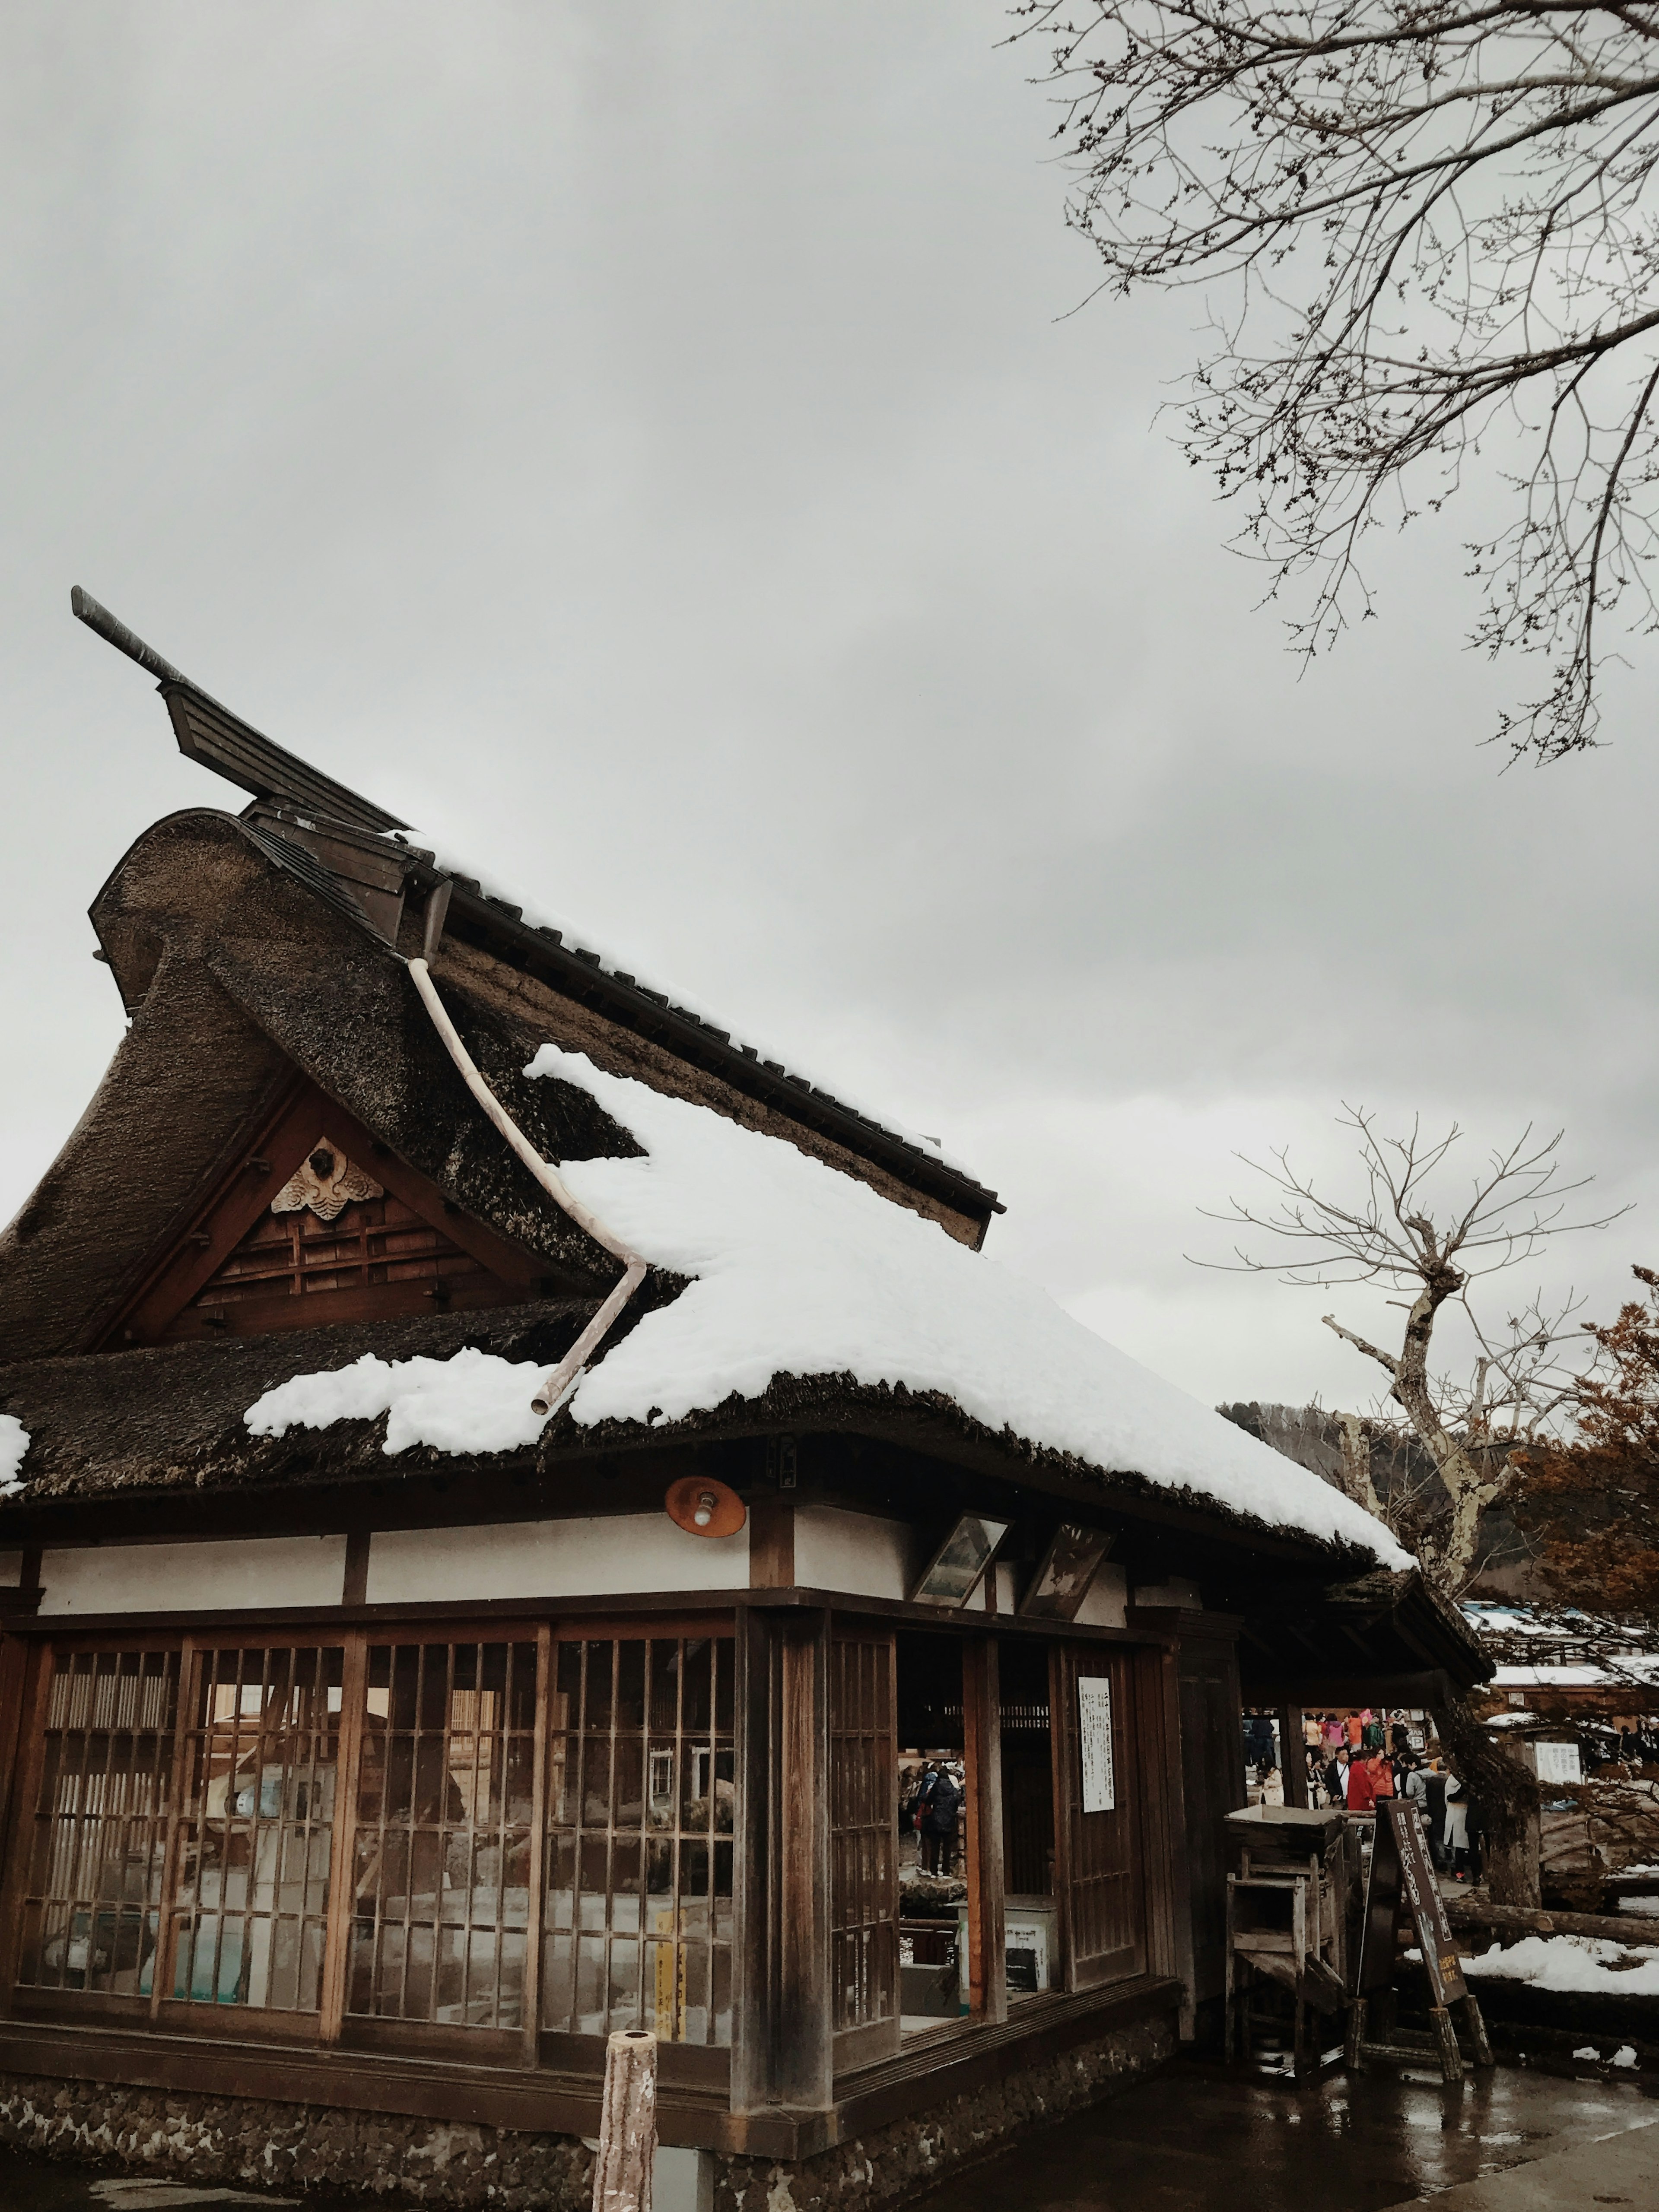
(1359, 1760)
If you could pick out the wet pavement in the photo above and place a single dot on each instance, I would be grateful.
(1200, 2138)
(1205, 2138)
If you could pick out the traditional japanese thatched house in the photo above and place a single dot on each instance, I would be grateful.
(375, 1743)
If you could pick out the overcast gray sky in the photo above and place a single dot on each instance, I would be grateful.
(652, 444)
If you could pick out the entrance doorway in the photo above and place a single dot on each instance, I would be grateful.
(930, 1792)
(1031, 1921)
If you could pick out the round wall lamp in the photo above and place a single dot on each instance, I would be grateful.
(704, 1508)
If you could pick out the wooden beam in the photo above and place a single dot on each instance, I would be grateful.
(988, 1954)
(771, 1541)
(535, 1913)
(1293, 1765)
(755, 1749)
(802, 2042)
(343, 1843)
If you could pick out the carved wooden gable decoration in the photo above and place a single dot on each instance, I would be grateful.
(318, 1223)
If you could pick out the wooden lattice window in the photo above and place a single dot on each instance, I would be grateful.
(863, 1832)
(97, 1855)
(251, 1864)
(445, 1799)
(639, 1911)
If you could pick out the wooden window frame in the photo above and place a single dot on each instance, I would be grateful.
(33, 1656)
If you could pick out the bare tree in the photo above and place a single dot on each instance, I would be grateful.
(1433, 226)
(1386, 1235)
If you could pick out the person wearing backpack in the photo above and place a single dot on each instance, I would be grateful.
(939, 1823)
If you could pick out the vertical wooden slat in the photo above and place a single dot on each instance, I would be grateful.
(21, 1827)
(342, 1852)
(161, 1975)
(752, 1769)
(803, 2049)
(536, 1911)
(1061, 1699)
(1293, 1757)
(1169, 1901)
(14, 1703)
(987, 1956)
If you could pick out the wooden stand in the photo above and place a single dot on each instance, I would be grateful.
(1402, 1894)
(1283, 1927)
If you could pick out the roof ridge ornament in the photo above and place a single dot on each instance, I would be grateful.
(326, 1183)
(211, 735)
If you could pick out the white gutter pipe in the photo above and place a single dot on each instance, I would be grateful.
(554, 1385)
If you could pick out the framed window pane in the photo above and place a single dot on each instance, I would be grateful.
(97, 1855)
(249, 1901)
(442, 1843)
(641, 1793)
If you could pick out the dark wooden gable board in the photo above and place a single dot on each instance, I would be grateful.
(163, 1311)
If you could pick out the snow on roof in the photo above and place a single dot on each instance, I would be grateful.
(798, 1270)
(14, 1442)
(616, 960)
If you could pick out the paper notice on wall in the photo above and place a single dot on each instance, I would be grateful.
(1094, 1718)
(1558, 1762)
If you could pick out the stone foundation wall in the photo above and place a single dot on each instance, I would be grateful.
(295, 2149)
(292, 2149)
(877, 2171)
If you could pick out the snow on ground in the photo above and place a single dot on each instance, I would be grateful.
(14, 1442)
(799, 1270)
(1586, 1965)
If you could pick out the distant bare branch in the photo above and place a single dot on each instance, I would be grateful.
(1432, 230)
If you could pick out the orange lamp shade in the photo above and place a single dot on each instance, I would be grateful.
(704, 1508)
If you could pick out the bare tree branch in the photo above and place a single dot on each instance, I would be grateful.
(1434, 229)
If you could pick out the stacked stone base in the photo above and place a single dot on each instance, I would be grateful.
(300, 2150)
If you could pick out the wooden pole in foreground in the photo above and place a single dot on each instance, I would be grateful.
(627, 2123)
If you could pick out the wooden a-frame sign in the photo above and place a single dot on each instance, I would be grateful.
(1402, 1889)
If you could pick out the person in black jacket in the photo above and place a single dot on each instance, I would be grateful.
(941, 1804)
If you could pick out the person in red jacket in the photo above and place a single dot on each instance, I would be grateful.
(1362, 1792)
(1382, 1775)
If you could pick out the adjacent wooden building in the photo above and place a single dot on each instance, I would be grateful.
(351, 1795)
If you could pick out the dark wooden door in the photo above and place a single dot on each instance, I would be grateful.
(1098, 1866)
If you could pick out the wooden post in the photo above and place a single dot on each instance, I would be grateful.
(1293, 1757)
(987, 1955)
(802, 2032)
(627, 2123)
(753, 1887)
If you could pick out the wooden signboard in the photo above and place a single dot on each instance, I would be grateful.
(1402, 1889)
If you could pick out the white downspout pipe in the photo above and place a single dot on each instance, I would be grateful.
(554, 1386)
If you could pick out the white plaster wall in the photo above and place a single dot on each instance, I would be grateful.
(1008, 1587)
(600, 1556)
(204, 1578)
(857, 1552)
(1107, 1595)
